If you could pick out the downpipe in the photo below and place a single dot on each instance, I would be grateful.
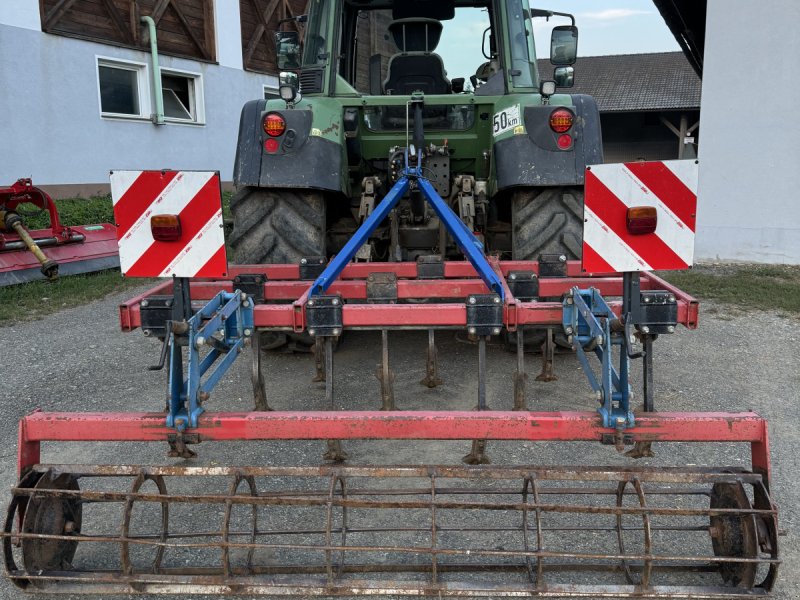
(158, 116)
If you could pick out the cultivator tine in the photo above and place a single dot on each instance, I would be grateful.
(434, 530)
(257, 376)
(520, 376)
(335, 452)
(548, 353)
(432, 378)
(385, 375)
(645, 449)
(319, 361)
(477, 455)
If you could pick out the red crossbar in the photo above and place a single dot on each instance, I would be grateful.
(419, 425)
(286, 295)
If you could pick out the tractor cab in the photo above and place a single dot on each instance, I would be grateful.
(385, 48)
(492, 134)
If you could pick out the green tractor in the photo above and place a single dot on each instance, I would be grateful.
(502, 148)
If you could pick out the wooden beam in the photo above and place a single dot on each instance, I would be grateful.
(55, 13)
(195, 40)
(670, 126)
(265, 13)
(118, 21)
(208, 27)
(159, 10)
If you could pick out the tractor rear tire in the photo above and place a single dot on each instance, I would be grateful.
(277, 226)
(547, 221)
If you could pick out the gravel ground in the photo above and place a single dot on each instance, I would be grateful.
(77, 360)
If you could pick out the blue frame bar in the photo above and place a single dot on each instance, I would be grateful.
(587, 318)
(230, 314)
(464, 238)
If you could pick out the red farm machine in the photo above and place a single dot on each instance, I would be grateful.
(29, 255)
(417, 206)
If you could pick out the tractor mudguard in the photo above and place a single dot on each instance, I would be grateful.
(247, 165)
(302, 160)
(534, 159)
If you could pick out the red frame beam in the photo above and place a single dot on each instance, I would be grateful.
(287, 295)
(396, 425)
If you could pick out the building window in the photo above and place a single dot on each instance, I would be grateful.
(183, 96)
(123, 87)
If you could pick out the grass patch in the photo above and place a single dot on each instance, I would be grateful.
(760, 287)
(34, 300)
(71, 212)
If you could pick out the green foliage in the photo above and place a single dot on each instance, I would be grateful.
(72, 211)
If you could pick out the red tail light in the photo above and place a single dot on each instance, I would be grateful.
(274, 125)
(564, 141)
(561, 120)
(641, 220)
(165, 228)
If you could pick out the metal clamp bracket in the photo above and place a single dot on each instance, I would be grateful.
(524, 285)
(324, 316)
(251, 284)
(484, 314)
(311, 267)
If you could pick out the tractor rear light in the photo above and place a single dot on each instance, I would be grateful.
(561, 120)
(165, 228)
(271, 145)
(274, 125)
(565, 141)
(641, 220)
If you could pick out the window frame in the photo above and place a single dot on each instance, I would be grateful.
(142, 71)
(197, 96)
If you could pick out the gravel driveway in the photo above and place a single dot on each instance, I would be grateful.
(77, 360)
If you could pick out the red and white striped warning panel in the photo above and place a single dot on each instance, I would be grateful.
(169, 223)
(616, 240)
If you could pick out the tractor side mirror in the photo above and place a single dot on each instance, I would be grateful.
(564, 45)
(287, 45)
(564, 77)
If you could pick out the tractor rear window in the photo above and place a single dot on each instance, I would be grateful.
(457, 117)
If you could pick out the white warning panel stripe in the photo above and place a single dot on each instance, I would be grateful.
(196, 253)
(195, 197)
(632, 192)
(670, 187)
(686, 171)
(615, 251)
(172, 200)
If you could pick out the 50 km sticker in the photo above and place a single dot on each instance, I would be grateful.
(506, 120)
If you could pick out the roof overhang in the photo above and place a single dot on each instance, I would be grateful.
(687, 21)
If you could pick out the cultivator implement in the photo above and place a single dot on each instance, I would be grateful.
(344, 529)
(28, 255)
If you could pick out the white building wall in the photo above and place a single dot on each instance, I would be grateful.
(50, 107)
(749, 204)
(21, 13)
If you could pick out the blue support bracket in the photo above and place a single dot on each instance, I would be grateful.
(591, 323)
(464, 238)
(222, 325)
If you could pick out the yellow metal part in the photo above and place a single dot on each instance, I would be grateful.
(14, 221)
